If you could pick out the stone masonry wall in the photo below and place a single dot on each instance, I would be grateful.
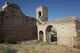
(17, 25)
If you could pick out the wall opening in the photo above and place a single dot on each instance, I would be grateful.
(39, 13)
(41, 35)
(51, 34)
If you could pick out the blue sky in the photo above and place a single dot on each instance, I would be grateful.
(56, 8)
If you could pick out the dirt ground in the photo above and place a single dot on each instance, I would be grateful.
(39, 48)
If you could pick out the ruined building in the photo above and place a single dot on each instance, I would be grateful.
(15, 23)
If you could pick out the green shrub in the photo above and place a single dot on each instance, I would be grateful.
(9, 40)
(77, 38)
(8, 50)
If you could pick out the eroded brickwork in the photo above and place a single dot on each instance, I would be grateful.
(16, 24)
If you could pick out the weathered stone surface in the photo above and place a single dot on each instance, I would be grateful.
(16, 24)
(65, 28)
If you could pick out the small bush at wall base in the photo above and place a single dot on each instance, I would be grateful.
(9, 40)
(8, 50)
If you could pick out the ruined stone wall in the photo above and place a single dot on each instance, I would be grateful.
(65, 28)
(66, 31)
(17, 25)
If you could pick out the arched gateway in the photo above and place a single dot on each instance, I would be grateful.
(47, 33)
(51, 34)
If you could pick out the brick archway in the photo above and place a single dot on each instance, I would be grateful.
(51, 34)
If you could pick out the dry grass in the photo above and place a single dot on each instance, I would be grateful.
(46, 49)
(37, 48)
(40, 48)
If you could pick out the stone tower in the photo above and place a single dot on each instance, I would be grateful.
(42, 13)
